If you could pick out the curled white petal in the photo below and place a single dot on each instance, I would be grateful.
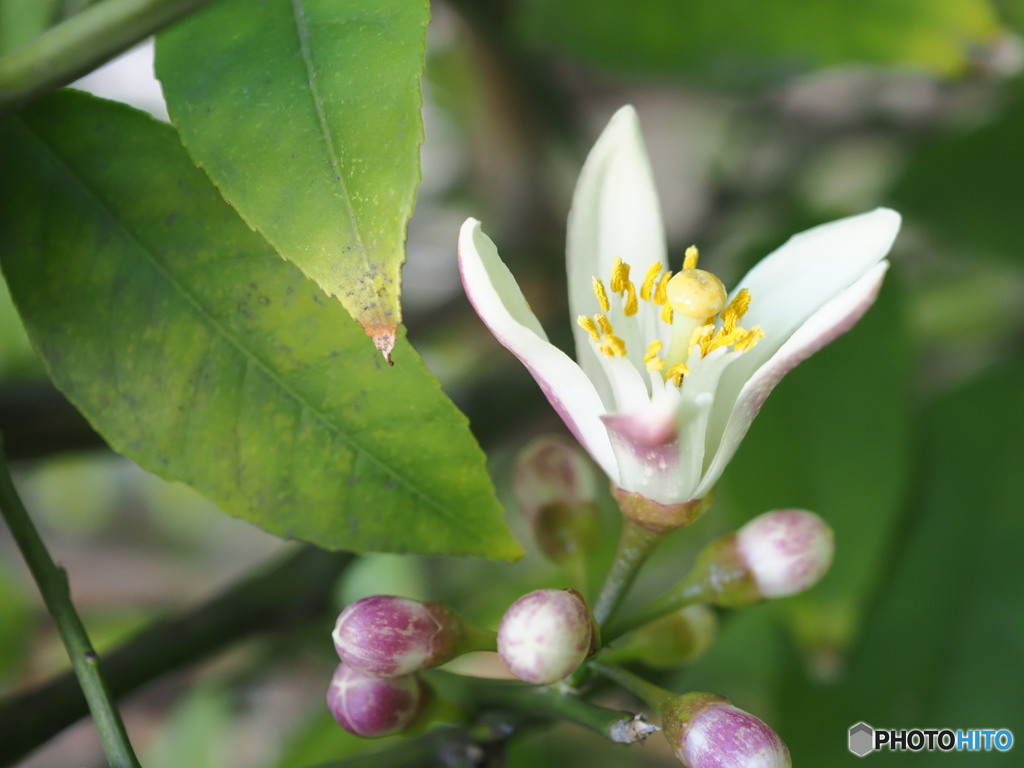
(829, 322)
(615, 212)
(496, 297)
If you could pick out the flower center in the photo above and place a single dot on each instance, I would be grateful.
(692, 302)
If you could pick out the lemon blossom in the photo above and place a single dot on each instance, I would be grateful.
(671, 369)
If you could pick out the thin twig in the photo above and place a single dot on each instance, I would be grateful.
(288, 592)
(53, 584)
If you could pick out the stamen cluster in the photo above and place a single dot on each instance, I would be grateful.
(691, 302)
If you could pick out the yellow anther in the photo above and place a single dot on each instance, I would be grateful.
(676, 372)
(602, 295)
(612, 346)
(588, 324)
(660, 295)
(603, 325)
(651, 359)
(701, 335)
(690, 258)
(753, 336)
(696, 293)
(632, 306)
(620, 276)
(723, 339)
(737, 308)
(666, 314)
(647, 287)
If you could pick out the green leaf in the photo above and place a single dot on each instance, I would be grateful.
(199, 353)
(750, 41)
(306, 115)
(967, 187)
(945, 647)
(834, 438)
(21, 21)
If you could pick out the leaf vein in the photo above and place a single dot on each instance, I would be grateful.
(302, 31)
(249, 356)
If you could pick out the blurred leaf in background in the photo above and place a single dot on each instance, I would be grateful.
(746, 41)
(942, 647)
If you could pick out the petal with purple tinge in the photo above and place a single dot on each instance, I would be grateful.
(829, 322)
(496, 297)
(647, 450)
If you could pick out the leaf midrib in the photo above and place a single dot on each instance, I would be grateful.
(243, 350)
(302, 32)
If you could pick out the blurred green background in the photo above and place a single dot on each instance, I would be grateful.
(762, 118)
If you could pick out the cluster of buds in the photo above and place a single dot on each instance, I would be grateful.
(383, 641)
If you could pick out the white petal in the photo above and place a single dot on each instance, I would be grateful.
(628, 387)
(614, 212)
(497, 299)
(788, 285)
(792, 283)
(829, 322)
(647, 450)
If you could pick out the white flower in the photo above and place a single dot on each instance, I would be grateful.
(669, 374)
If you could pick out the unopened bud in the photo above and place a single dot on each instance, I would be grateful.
(678, 638)
(389, 636)
(555, 487)
(371, 706)
(546, 634)
(774, 555)
(787, 551)
(706, 731)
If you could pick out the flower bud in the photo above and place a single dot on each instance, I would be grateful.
(787, 551)
(674, 639)
(546, 634)
(776, 554)
(706, 731)
(554, 485)
(390, 636)
(371, 706)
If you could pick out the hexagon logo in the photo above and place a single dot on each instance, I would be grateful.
(862, 739)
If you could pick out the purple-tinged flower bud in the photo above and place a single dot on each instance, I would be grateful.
(786, 551)
(389, 636)
(555, 487)
(706, 731)
(546, 634)
(371, 706)
(776, 554)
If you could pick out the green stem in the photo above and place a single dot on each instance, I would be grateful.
(635, 544)
(544, 703)
(478, 639)
(53, 584)
(439, 746)
(656, 697)
(284, 594)
(575, 567)
(680, 596)
(80, 44)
